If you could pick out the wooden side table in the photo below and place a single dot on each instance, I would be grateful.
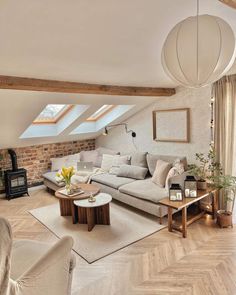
(183, 205)
(97, 212)
(67, 207)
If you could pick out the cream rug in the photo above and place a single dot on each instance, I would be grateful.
(127, 227)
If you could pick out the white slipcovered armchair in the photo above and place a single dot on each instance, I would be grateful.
(34, 268)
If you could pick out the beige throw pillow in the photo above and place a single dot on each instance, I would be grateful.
(160, 173)
(58, 163)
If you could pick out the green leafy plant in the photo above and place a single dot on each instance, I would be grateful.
(227, 185)
(207, 167)
(210, 170)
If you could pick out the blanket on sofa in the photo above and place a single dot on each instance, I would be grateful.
(85, 176)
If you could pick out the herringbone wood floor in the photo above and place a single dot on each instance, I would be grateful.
(163, 263)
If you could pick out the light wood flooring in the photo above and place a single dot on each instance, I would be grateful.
(163, 263)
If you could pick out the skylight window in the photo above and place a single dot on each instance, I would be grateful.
(100, 112)
(52, 113)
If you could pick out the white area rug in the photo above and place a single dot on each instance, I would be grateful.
(126, 227)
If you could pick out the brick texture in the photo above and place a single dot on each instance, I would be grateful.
(36, 159)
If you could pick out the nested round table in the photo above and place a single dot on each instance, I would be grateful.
(92, 213)
(67, 207)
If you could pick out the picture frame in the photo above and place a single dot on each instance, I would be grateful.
(171, 125)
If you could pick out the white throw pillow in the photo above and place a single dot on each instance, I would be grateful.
(113, 160)
(173, 172)
(58, 163)
(177, 169)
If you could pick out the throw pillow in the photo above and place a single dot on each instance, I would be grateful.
(130, 171)
(113, 160)
(101, 151)
(89, 156)
(139, 159)
(173, 172)
(179, 165)
(72, 160)
(58, 163)
(152, 160)
(160, 173)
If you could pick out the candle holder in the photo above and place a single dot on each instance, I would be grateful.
(91, 198)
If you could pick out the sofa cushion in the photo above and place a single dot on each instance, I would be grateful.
(51, 176)
(111, 180)
(113, 160)
(139, 159)
(89, 156)
(160, 173)
(144, 189)
(152, 160)
(101, 151)
(135, 172)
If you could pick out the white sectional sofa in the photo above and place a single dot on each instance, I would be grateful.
(142, 194)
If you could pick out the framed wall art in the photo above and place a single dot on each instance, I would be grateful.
(171, 125)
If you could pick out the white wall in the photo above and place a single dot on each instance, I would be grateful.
(198, 100)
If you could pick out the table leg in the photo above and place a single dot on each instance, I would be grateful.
(170, 220)
(90, 218)
(74, 213)
(214, 204)
(184, 222)
(65, 207)
(102, 214)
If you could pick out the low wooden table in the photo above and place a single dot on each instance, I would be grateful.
(67, 203)
(97, 212)
(183, 205)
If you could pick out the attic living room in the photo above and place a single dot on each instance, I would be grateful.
(117, 150)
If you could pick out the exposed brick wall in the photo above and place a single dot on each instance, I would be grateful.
(36, 159)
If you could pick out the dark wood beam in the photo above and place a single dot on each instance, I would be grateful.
(231, 3)
(32, 84)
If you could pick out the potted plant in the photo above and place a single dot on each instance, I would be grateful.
(207, 167)
(227, 187)
(65, 176)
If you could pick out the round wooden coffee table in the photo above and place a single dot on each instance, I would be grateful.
(67, 207)
(97, 212)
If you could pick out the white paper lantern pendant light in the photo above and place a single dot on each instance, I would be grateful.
(199, 50)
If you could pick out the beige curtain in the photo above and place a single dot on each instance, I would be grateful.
(224, 93)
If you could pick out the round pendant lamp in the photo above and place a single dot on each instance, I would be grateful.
(199, 50)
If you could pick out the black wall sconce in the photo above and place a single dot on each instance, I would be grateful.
(133, 134)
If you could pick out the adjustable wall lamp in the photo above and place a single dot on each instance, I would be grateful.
(133, 134)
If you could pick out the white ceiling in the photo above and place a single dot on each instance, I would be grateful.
(100, 41)
(95, 41)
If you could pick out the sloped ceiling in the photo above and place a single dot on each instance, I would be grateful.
(102, 41)
(19, 109)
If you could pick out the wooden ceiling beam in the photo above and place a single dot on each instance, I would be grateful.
(32, 84)
(231, 3)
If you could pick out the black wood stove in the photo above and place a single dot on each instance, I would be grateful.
(15, 179)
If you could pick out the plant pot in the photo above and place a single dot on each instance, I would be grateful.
(224, 218)
(201, 185)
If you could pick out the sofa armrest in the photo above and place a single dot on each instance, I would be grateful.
(178, 179)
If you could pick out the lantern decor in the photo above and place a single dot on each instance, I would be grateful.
(190, 187)
(175, 192)
(199, 50)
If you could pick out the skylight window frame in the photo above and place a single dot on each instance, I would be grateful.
(99, 116)
(58, 117)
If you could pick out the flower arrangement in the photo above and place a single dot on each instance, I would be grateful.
(65, 176)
